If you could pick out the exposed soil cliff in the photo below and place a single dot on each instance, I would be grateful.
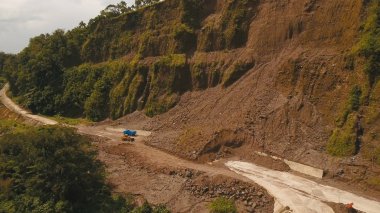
(294, 78)
(293, 98)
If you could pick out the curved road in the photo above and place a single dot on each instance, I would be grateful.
(15, 108)
(300, 194)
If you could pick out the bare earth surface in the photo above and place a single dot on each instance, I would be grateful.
(137, 168)
(300, 193)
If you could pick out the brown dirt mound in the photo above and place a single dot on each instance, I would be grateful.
(7, 114)
(148, 173)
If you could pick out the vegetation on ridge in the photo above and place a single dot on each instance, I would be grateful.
(363, 105)
(84, 72)
(369, 44)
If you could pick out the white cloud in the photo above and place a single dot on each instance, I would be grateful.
(23, 19)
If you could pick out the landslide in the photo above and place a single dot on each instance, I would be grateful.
(306, 95)
(297, 79)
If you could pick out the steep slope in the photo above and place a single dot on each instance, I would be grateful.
(295, 78)
(289, 103)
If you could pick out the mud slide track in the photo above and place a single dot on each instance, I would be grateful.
(300, 194)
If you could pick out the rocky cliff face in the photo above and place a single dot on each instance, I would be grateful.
(296, 78)
(293, 86)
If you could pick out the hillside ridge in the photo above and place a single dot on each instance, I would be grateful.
(296, 79)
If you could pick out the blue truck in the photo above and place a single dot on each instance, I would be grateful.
(130, 132)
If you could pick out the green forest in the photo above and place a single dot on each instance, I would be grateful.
(53, 169)
(126, 59)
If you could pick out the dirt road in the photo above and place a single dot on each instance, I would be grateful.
(15, 108)
(300, 194)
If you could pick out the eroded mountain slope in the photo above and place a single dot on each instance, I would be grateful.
(298, 93)
(295, 78)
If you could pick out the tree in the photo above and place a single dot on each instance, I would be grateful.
(51, 169)
(142, 3)
(116, 10)
(37, 72)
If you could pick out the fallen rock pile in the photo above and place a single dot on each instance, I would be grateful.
(254, 198)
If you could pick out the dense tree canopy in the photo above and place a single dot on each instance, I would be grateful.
(5, 60)
(37, 72)
(53, 169)
(98, 70)
(122, 7)
(115, 10)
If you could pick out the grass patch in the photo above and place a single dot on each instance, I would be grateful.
(3, 81)
(374, 182)
(236, 23)
(372, 152)
(191, 12)
(353, 105)
(147, 208)
(71, 121)
(235, 73)
(223, 205)
(161, 105)
(8, 126)
(169, 77)
(349, 62)
(355, 96)
(372, 115)
(343, 140)
(185, 38)
(369, 44)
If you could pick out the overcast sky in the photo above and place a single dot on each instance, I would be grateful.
(23, 19)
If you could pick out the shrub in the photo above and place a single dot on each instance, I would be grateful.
(343, 141)
(353, 104)
(372, 153)
(8, 126)
(223, 205)
(236, 22)
(96, 106)
(146, 44)
(374, 182)
(185, 38)
(145, 208)
(232, 32)
(79, 84)
(235, 72)
(169, 77)
(349, 62)
(191, 14)
(355, 96)
(369, 44)
(160, 209)
(2, 82)
(135, 91)
(122, 45)
(160, 105)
